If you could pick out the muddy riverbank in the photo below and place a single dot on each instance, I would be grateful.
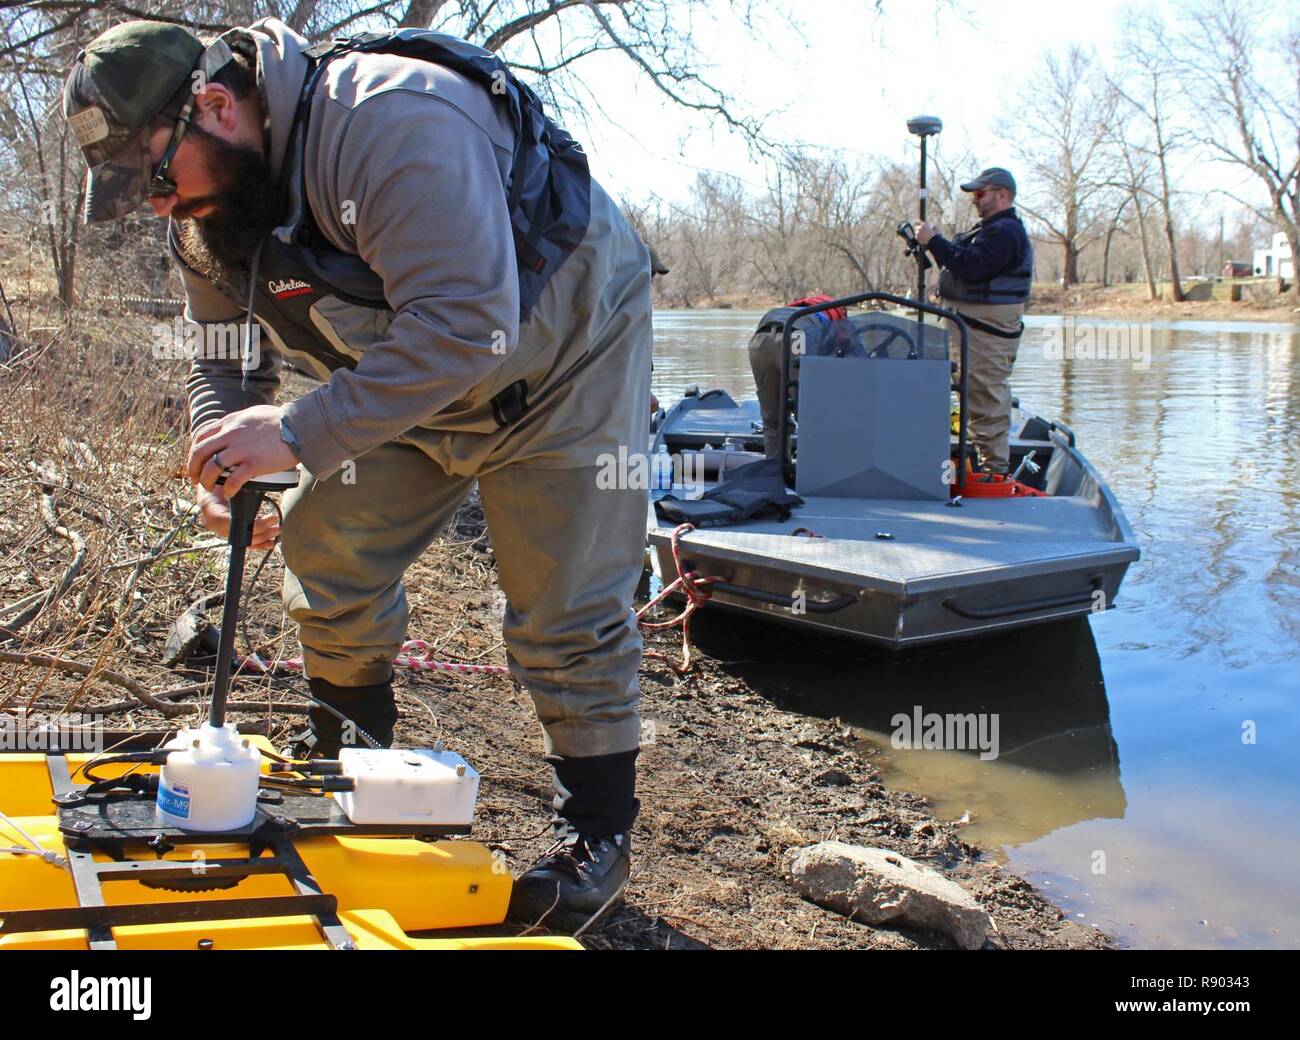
(730, 783)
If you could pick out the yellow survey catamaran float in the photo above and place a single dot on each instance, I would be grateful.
(209, 839)
(85, 864)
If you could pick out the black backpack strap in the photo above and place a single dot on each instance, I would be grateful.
(546, 228)
(299, 224)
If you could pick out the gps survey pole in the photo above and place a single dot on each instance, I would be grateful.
(922, 127)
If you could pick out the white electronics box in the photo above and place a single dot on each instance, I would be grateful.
(420, 786)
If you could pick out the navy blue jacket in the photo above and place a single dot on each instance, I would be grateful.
(996, 246)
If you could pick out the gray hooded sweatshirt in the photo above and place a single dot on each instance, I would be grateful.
(406, 166)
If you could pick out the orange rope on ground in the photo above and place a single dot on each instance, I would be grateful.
(695, 587)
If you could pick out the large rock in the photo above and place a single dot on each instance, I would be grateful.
(877, 887)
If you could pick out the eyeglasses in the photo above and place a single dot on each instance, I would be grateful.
(160, 185)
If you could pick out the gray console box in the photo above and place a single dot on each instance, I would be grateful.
(873, 427)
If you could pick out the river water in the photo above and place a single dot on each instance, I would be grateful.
(1149, 774)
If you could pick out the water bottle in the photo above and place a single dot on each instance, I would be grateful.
(661, 472)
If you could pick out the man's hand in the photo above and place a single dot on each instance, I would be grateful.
(244, 445)
(925, 232)
(215, 511)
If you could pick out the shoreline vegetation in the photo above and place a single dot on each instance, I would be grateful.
(1258, 300)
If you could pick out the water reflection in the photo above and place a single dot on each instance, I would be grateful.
(1057, 761)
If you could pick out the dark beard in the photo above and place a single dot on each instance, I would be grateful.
(248, 209)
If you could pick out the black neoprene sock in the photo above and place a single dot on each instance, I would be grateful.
(596, 795)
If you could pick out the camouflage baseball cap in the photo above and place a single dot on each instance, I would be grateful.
(118, 84)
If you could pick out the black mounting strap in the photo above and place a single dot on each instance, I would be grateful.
(510, 403)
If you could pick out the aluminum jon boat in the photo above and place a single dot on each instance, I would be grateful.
(882, 546)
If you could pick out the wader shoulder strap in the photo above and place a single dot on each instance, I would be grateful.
(548, 192)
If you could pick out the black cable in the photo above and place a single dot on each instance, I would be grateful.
(374, 744)
(131, 756)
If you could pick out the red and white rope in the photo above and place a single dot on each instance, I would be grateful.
(405, 659)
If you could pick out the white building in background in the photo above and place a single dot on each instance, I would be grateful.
(1276, 260)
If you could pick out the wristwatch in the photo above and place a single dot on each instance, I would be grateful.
(288, 437)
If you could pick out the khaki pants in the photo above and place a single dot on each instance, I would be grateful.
(765, 364)
(989, 379)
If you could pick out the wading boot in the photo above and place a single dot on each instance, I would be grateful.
(595, 804)
(574, 879)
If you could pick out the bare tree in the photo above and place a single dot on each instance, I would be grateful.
(1132, 177)
(1060, 127)
(841, 196)
(702, 240)
(548, 42)
(1113, 226)
(34, 161)
(1146, 83)
(1245, 80)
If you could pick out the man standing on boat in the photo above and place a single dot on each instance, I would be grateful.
(398, 215)
(985, 277)
(815, 334)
